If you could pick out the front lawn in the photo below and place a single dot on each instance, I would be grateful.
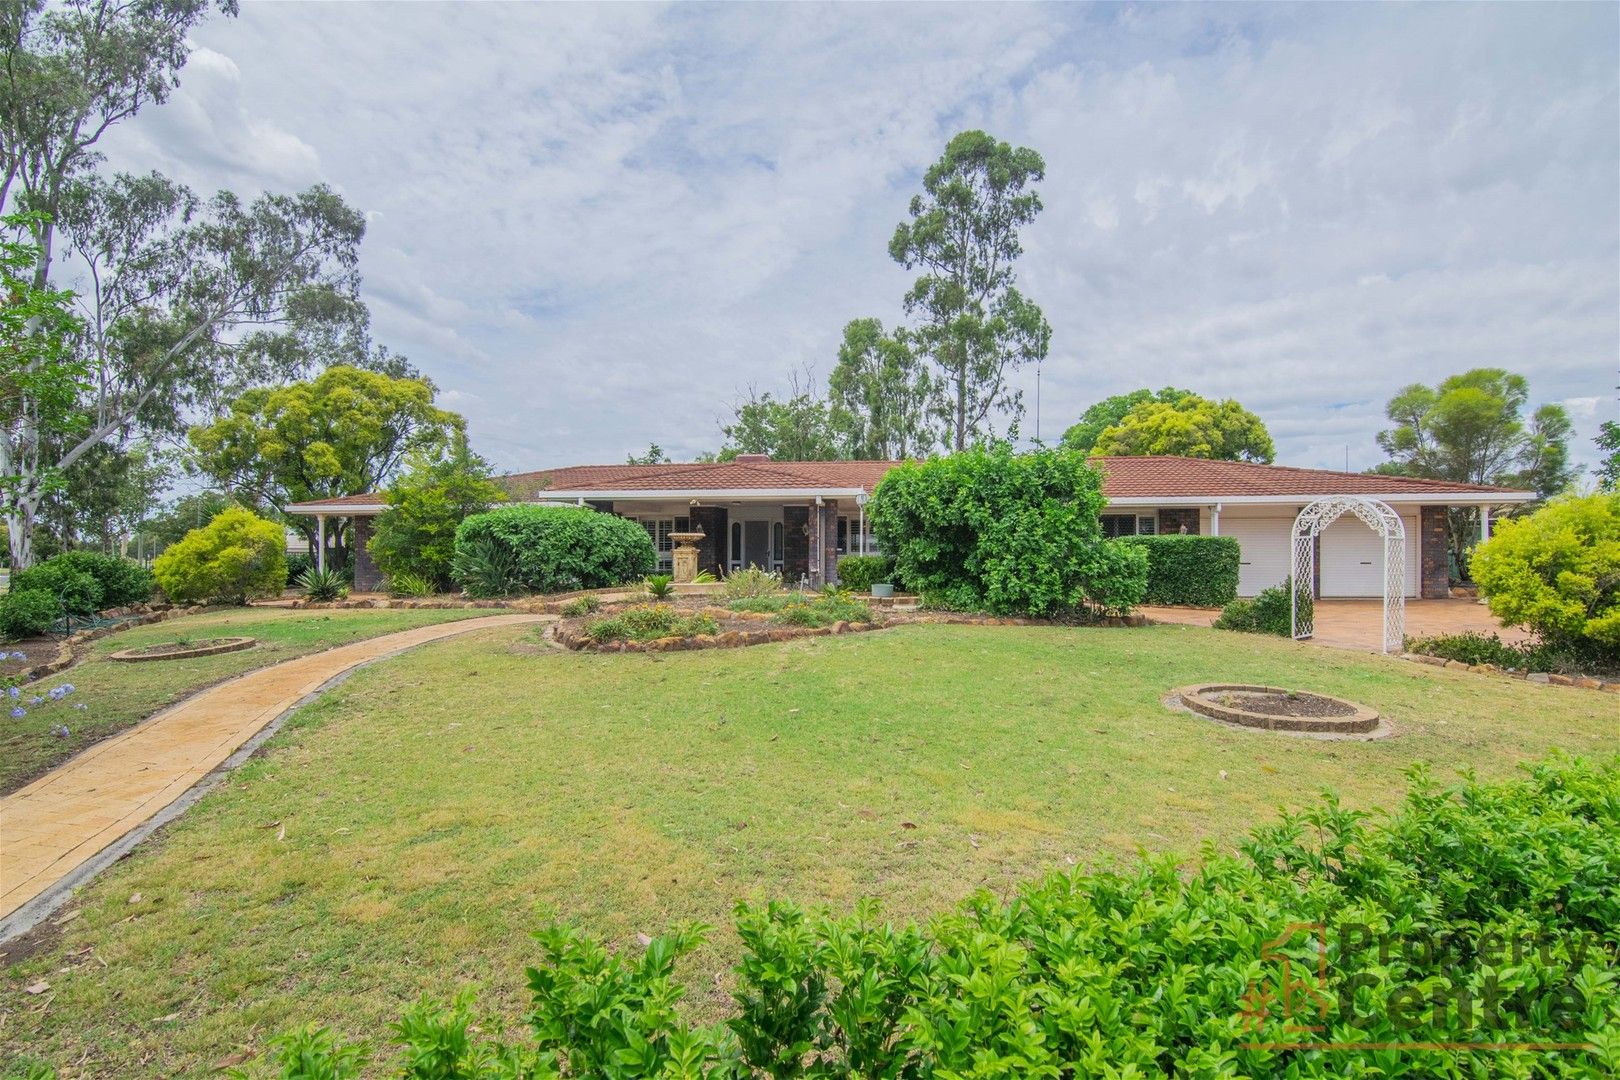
(404, 834)
(117, 695)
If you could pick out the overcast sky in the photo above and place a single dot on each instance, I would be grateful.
(595, 226)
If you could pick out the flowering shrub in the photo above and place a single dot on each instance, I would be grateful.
(17, 702)
(650, 621)
(741, 584)
(1484, 893)
(557, 548)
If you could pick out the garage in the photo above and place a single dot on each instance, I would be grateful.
(1351, 558)
(1264, 550)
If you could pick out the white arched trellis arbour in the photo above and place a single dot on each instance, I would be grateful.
(1381, 519)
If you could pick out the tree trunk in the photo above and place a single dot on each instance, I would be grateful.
(20, 526)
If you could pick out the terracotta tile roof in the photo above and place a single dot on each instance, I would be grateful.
(700, 476)
(1179, 477)
(1124, 478)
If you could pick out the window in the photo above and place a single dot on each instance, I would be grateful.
(659, 529)
(843, 536)
(1147, 525)
(852, 541)
(1115, 525)
(736, 545)
(776, 546)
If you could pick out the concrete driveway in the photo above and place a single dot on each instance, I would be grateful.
(1359, 624)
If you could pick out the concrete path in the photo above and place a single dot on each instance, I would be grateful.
(55, 831)
(1359, 624)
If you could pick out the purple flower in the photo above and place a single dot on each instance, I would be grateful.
(66, 688)
(61, 731)
(13, 692)
(80, 705)
(18, 713)
(36, 700)
(19, 656)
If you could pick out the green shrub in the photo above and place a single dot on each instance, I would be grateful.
(861, 572)
(322, 585)
(1471, 647)
(823, 610)
(118, 582)
(1151, 970)
(79, 592)
(28, 613)
(760, 604)
(557, 548)
(988, 529)
(236, 556)
(412, 585)
(649, 621)
(581, 606)
(1557, 571)
(659, 586)
(485, 568)
(741, 584)
(1200, 571)
(1267, 613)
(297, 563)
(417, 533)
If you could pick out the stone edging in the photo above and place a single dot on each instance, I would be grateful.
(224, 645)
(730, 639)
(1582, 682)
(65, 651)
(1199, 699)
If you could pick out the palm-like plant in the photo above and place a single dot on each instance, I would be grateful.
(322, 585)
(659, 586)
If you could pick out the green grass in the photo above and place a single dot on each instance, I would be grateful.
(405, 833)
(118, 695)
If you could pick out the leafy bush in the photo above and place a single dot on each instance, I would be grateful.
(297, 563)
(79, 592)
(741, 584)
(823, 610)
(1201, 571)
(555, 548)
(28, 612)
(405, 583)
(861, 572)
(650, 621)
(704, 577)
(1152, 970)
(761, 604)
(1471, 647)
(485, 568)
(322, 585)
(236, 556)
(581, 606)
(659, 586)
(1557, 571)
(118, 582)
(441, 489)
(1267, 613)
(1009, 533)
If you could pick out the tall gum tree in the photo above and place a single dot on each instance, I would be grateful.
(973, 324)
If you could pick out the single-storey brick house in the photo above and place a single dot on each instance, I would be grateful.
(799, 517)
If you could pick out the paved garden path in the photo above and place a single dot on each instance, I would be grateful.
(53, 830)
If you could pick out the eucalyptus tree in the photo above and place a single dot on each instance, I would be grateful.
(881, 394)
(973, 323)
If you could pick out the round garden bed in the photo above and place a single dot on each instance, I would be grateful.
(1272, 708)
(182, 650)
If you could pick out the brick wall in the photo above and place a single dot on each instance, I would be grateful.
(1172, 521)
(1434, 554)
(795, 542)
(367, 578)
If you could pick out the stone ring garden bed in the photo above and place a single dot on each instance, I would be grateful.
(183, 650)
(1272, 708)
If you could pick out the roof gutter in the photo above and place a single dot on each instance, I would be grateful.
(1436, 498)
(716, 494)
(344, 509)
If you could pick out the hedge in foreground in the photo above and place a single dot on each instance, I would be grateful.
(550, 549)
(113, 582)
(861, 572)
(235, 557)
(1153, 971)
(1201, 571)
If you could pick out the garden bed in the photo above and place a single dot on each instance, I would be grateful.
(1271, 708)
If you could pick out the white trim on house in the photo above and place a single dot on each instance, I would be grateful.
(709, 494)
(1428, 498)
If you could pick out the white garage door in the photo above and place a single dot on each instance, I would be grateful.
(1265, 551)
(1352, 558)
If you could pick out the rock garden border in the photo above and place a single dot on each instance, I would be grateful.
(210, 647)
(1546, 678)
(67, 648)
(1354, 721)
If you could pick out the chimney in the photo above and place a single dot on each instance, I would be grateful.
(752, 459)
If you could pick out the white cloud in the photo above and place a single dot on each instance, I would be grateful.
(596, 223)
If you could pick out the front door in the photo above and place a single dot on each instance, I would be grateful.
(757, 544)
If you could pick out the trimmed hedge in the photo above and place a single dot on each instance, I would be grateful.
(1482, 913)
(558, 548)
(1199, 571)
(861, 572)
